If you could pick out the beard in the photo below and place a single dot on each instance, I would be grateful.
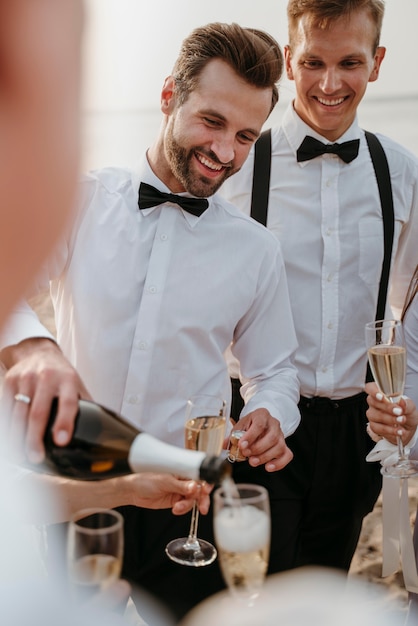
(180, 160)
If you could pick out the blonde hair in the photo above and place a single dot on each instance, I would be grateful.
(322, 13)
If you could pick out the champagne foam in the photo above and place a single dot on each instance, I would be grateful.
(241, 529)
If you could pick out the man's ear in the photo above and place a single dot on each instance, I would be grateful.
(378, 58)
(168, 95)
(287, 61)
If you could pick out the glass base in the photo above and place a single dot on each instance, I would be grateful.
(197, 553)
(401, 469)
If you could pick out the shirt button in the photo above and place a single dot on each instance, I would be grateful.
(328, 183)
(142, 345)
(152, 289)
(328, 232)
(330, 325)
(324, 370)
(329, 277)
(163, 237)
(133, 399)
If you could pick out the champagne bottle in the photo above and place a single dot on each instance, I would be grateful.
(104, 445)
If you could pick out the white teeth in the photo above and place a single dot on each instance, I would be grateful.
(210, 164)
(331, 103)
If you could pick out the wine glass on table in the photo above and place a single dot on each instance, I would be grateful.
(94, 551)
(204, 430)
(387, 358)
(242, 536)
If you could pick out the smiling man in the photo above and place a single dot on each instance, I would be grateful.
(151, 287)
(325, 209)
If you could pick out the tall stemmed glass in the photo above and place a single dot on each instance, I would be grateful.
(204, 430)
(387, 357)
(242, 533)
(94, 551)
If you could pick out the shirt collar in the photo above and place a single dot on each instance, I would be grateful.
(295, 130)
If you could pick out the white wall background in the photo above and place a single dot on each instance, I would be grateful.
(130, 46)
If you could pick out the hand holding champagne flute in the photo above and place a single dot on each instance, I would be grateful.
(204, 430)
(387, 357)
(242, 533)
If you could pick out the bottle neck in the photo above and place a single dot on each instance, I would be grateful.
(148, 454)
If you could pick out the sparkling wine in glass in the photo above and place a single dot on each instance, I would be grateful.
(94, 551)
(204, 430)
(242, 536)
(387, 358)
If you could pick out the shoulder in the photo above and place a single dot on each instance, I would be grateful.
(242, 225)
(103, 190)
(398, 156)
(110, 179)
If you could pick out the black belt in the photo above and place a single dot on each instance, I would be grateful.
(318, 402)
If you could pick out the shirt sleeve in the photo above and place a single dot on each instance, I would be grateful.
(264, 344)
(23, 324)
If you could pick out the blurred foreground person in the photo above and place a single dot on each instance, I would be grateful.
(40, 53)
(40, 134)
(306, 596)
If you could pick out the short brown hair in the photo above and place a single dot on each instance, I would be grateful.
(253, 54)
(321, 13)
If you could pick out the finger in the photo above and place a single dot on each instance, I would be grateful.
(17, 428)
(378, 416)
(270, 454)
(204, 505)
(182, 506)
(39, 417)
(280, 462)
(269, 444)
(67, 411)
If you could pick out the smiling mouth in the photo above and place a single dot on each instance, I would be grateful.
(330, 102)
(212, 165)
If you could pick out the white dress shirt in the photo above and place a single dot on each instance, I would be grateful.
(148, 301)
(327, 216)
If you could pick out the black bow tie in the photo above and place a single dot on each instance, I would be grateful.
(311, 148)
(149, 196)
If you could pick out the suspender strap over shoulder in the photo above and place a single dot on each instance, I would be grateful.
(261, 177)
(381, 169)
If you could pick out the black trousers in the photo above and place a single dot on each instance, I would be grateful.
(318, 503)
(335, 486)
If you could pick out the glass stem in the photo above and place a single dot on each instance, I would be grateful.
(193, 524)
(401, 450)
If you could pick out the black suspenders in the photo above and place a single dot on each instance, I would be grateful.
(260, 194)
(381, 169)
(261, 177)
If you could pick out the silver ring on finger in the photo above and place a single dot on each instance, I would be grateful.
(21, 397)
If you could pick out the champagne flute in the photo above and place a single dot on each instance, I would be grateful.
(94, 551)
(387, 357)
(204, 430)
(242, 535)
